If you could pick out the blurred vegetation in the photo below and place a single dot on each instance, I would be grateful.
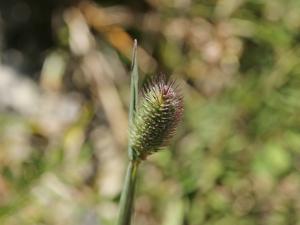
(64, 88)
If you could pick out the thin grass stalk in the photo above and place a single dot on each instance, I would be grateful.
(127, 196)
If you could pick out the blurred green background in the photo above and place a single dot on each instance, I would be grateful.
(64, 93)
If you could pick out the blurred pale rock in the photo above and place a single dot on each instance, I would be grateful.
(17, 93)
(50, 112)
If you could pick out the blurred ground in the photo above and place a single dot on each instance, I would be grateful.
(64, 92)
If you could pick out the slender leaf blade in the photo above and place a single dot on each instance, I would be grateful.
(133, 91)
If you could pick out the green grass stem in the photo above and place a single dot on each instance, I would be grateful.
(127, 196)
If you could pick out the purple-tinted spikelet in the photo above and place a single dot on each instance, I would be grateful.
(157, 116)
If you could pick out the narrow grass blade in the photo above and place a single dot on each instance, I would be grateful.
(127, 196)
(133, 91)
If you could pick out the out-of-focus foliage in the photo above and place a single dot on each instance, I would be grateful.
(64, 88)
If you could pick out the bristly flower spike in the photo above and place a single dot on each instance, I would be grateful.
(158, 113)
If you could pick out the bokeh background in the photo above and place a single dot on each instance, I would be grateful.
(64, 93)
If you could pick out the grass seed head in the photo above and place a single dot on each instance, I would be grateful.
(157, 116)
